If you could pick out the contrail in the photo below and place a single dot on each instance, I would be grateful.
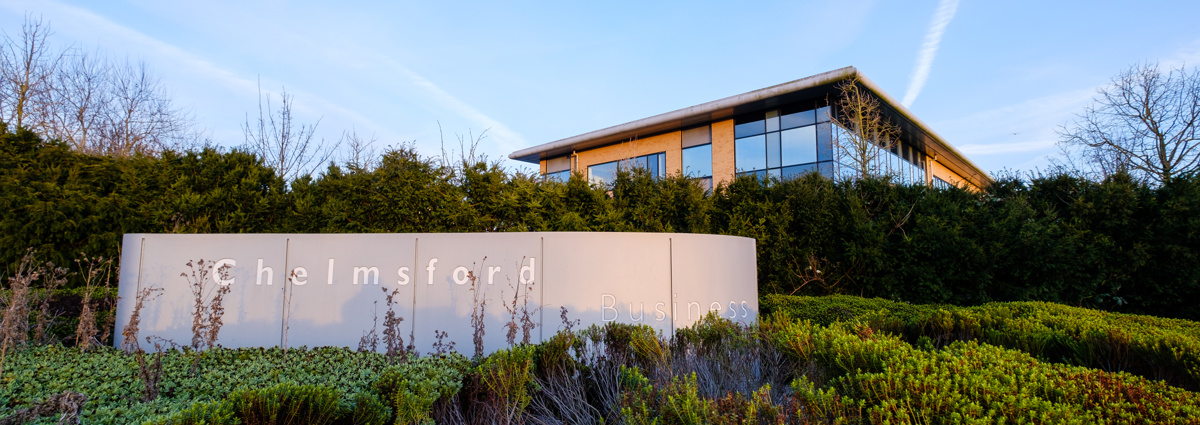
(933, 38)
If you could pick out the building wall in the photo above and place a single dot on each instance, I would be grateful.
(723, 152)
(669, 142)
(940, 171)
(723, 156)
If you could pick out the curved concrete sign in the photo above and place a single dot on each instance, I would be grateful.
(329, 289)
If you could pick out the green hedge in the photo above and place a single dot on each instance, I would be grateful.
(782, 371)
(877, 378)
(1152, 347)
(1117, 245)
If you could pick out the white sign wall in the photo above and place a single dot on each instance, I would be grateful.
(329, 289)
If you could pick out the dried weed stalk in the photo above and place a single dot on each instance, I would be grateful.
(52, 279)
(478, 308)
(440, 347)
(68, 404)
(520, 317)
(207, 307)
(129, 334)
(95, 271)
(370, 339)
(14, 328)
(150, 371)
(392, 339)
(568, 324)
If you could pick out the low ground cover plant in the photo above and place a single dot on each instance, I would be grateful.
(1152, 347)
(780, 371)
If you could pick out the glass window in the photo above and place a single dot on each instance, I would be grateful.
(654, 164)
(824, 142)
(798, 119)
(773, 150)
(559, 176)
(799, 145)
(752, 128)
(798, 170)
(827, 169)
(772, 120)
(760, 174)
(603, 174)
(823, 114)
(697, 161)
(750, 153)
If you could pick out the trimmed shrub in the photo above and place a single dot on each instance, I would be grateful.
(1152, 347)
(412, 388)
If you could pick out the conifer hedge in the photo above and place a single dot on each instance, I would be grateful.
(1117, 245)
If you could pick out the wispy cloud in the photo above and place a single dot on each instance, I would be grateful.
(1027, 126)
(192, 69)
(500, 136)
(933, 39)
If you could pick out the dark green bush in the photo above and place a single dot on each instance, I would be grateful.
(365, 409)
(286, 404)
(1116, 244)
(411, 388)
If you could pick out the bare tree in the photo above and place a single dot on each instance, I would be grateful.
(82, 98)
(27, 68)
(361, 154)
(1144, 123)
(95, 105)
(861, 132)
(141, 117)
(285, 145)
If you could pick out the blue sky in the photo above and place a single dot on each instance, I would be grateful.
(994, 78)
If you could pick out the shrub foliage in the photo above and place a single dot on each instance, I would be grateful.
(1117, 245)
(858, 368)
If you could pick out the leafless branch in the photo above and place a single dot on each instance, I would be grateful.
(284, 144)
(862, 132)
(1144, 123)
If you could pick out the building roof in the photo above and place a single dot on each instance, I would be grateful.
(820, 85)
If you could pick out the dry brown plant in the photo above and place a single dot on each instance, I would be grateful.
(68, 404)
(95, 271)
(370, 339)
(392, 340)
(440, 347)
(207, 307)
(150, 371)
(519, 315)
(129, 334)
(478, 308)
(52, 279)
(568, 324)
(14, 328)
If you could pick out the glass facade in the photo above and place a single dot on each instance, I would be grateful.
(697, 164)
(655, 164)
(783, 143)
(902, 160)
(558, 176)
